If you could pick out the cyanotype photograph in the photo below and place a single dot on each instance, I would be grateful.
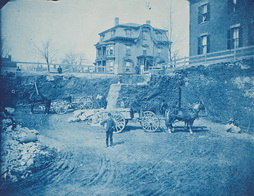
(127, 97)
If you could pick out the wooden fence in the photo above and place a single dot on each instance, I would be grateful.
(215, 57)
(205, 59)
(43, 67)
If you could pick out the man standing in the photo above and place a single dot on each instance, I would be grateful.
(102, 101)
(59, 69)
(163, 107)
(110, 127)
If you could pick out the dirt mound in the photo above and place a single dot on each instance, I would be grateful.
(150, 96)
(225, 88)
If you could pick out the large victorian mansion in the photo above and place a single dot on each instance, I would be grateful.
(129, 48)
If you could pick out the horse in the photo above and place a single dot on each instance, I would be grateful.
(187, 115)
(41, 100)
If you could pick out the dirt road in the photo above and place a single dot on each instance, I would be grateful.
(209, 162)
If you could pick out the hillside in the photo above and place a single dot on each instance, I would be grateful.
(225, 88)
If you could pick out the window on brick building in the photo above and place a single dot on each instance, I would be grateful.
(128, 50)
(204, 13)
(203, 44)
(232, 5)
(251, 33)
(234, 37)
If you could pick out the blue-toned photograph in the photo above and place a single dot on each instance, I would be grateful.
(127, 98)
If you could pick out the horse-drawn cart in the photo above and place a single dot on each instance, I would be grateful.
(148, 120)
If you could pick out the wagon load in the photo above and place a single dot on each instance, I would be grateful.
(95, 116)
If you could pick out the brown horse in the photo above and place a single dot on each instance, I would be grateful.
(188, 116)
(41, 100)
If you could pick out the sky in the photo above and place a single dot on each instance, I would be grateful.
(74, 25)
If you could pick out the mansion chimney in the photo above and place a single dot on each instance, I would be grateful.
(116, 21)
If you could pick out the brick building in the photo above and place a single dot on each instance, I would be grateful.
(219, 25)
(128, 48)
(8, 65)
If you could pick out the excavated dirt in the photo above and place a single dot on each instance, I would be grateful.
(225, 88)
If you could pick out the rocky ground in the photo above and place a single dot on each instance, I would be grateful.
(208, 162)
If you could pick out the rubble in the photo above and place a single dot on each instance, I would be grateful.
(92, 116)
(10, 110)
(232, 128)
(20, 149)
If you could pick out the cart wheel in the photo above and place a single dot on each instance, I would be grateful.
(60, 107)
(149, 121)
(120, 121)
(85, 103)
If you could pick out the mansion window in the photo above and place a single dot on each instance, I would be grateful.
(203, 13)
(110, 66)
(128, 50)
(144, 50)
(128, 32)
(102, 37)
(203, 44)
(127, 66)
(158, 36)
(113, 33)
(234, 37)
(110, 50)
(145, 35)
(159, 51)
(98, 52)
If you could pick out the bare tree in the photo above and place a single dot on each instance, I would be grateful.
(74, 61)
(47, 52)
(174, 37)
(5, 48)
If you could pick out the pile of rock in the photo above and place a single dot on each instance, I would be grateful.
(231, 127)
(92, 116)
(21, 151)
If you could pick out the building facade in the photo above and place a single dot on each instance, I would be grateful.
(219, 25)
(131, 48)
(8, 65)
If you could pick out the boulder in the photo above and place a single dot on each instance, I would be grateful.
(29, 137)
